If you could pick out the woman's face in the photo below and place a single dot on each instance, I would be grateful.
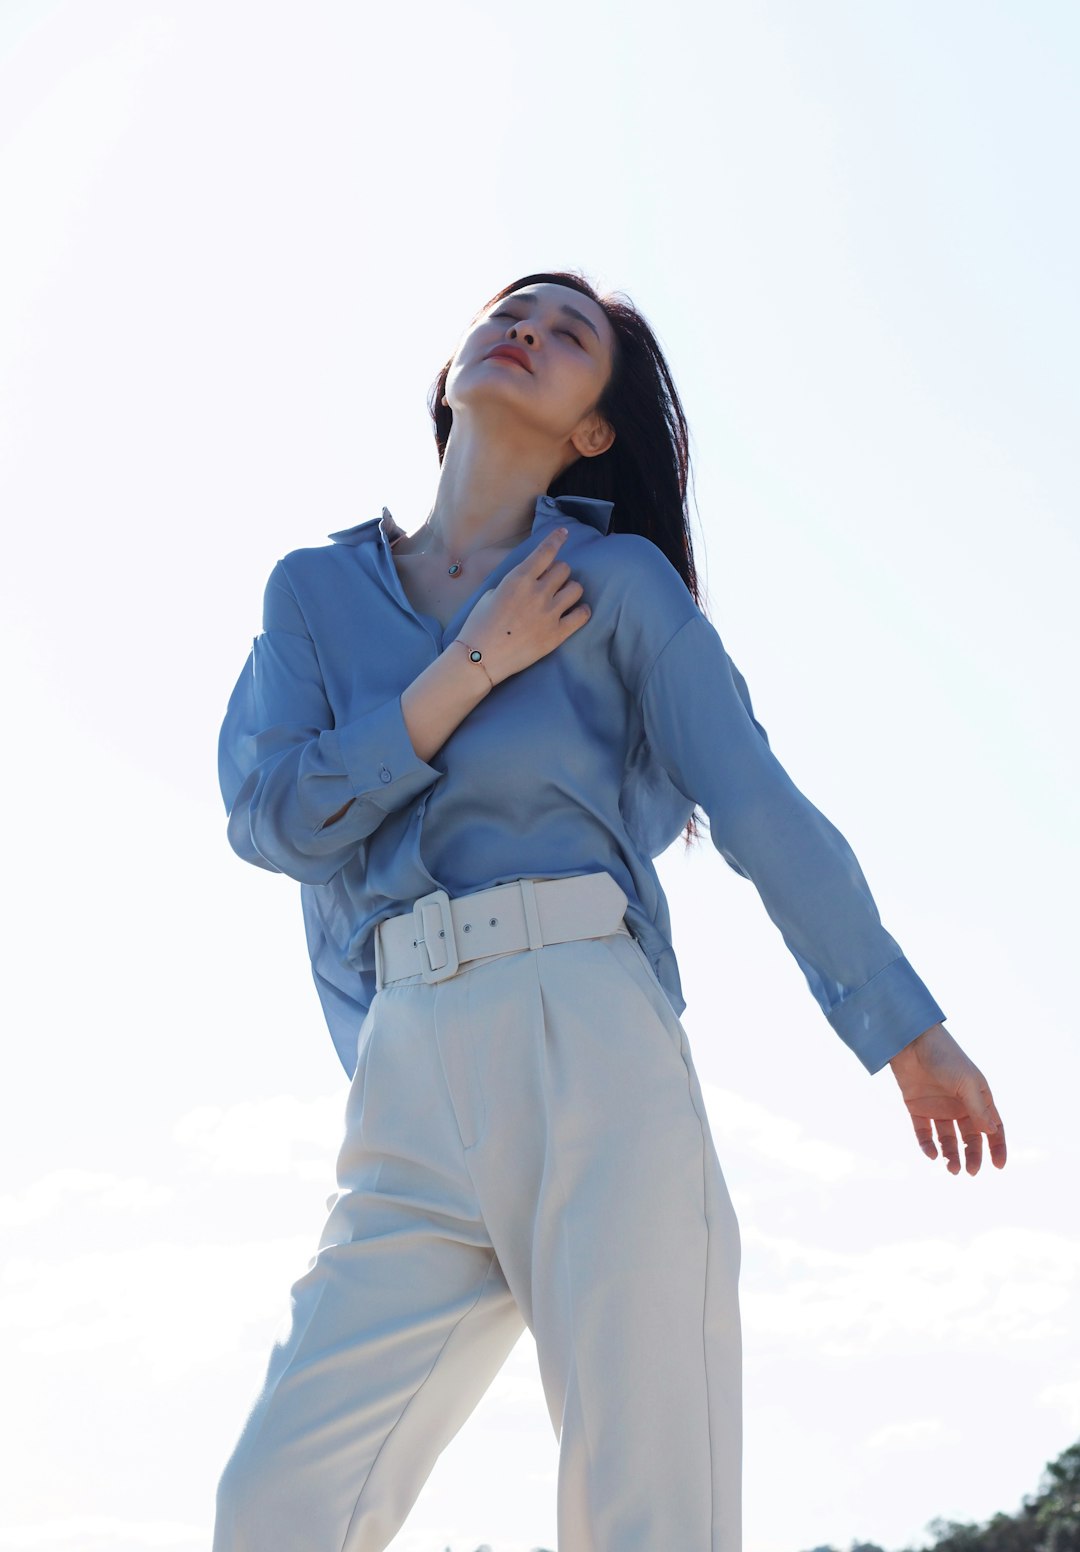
(566, 348)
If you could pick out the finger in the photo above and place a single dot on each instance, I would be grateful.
(925, 1136)
(976, 1096)
(984, 1116)
(536, 563)
(946, 1132)
(991, 1120)
(973, 1145)
(575, 619)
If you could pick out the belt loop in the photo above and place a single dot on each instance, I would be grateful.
(532, 915)
(378, 957)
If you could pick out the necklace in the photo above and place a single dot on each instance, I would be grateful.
(457, 564)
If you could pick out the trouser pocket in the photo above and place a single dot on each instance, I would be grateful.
(634, 963)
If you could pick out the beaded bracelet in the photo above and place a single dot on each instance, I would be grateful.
(475, 656)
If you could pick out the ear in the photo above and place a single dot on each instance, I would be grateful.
(593, 436)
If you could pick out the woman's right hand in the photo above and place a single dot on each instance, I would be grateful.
(528, 614)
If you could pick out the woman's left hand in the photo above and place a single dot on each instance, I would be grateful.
(940, 1083)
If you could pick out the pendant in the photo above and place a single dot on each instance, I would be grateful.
(455, 569)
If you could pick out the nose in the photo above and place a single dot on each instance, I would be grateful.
(526, 334)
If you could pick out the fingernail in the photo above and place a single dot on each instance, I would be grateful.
(562, 530)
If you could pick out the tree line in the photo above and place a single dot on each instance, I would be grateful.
(1047, 1520)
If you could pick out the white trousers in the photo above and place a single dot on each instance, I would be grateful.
(525, 1144)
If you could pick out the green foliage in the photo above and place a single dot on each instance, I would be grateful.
(1002, 1533)
(1047, 1522)
(1057, 1509)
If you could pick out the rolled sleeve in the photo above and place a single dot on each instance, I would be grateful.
(696, 714)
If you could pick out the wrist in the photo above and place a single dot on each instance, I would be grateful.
(472, 662)
(913, 1047)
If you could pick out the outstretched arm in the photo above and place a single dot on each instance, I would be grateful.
(810, 882)
(806, 874)
(698, 718)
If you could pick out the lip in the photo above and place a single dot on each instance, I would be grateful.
(511, 353)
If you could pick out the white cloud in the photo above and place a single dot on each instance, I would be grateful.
(1065, 1395)
(280, 1135)
(743, 1122)
(112, 1193)
(918, 1431)
(1011, 1286)
(100, 1533)
(170, 1308)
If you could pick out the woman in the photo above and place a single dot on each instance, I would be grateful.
(468, 743)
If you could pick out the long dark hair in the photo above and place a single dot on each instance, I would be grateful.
(646, 471)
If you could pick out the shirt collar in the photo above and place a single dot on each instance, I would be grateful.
(586, 509)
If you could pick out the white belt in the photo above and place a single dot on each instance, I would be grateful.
(439, 935)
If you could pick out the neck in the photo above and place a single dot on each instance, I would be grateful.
(488, 487)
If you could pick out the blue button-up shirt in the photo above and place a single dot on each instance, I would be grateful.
(590, 759)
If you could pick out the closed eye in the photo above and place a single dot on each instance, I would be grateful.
(571, 333)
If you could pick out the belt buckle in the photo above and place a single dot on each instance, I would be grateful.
(441, 928)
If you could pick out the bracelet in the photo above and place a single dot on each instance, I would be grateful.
(476, 656)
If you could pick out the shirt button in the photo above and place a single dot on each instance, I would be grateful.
(384, 773)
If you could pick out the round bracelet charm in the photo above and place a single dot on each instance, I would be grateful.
(476, 656)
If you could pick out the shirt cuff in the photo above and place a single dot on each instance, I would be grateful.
(380, 760)
(885, 1014)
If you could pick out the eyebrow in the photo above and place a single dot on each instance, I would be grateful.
(530, 296)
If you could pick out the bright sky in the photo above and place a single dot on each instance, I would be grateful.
(240, 240)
